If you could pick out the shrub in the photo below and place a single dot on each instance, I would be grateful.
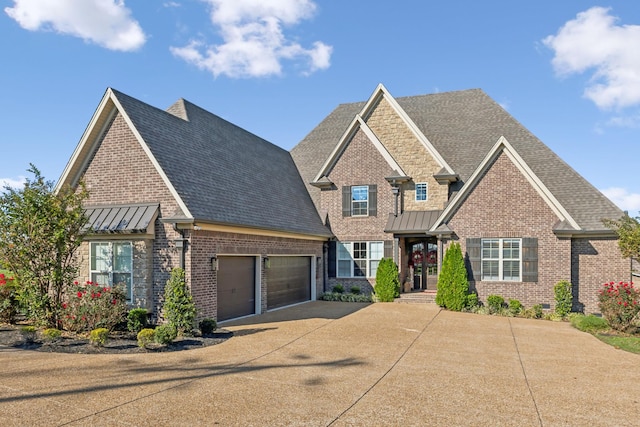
(51, 334)
(137, 319)
(564, 298)
(29, 333)
(99, 336)
(355, 290)
(145, 337)
(387, 283)
(588, 323)
(8, 299)
(178, 307)
(91, 306)
(453, 286)
(537, 311)
(338, 289)
(495, 303)
(207, 326)
(515, 307)
(166, 333)
(619, 304)
(332, 296)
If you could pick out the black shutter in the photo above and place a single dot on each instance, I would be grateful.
(332, 259)
(346, 201)
(388, 249)
(529, 259)
(473, 259)
(373, 200)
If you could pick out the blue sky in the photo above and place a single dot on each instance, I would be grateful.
(568, 71)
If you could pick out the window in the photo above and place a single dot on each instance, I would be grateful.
(421, 192)
(111, 263)
(359, 259)
(359, 200)
(501, 259)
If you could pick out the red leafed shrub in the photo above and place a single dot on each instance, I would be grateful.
(620, 305)
(91, 306)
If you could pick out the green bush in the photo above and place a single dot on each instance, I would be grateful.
(51, 334)
(495, 303)
(453, 287)
(472, 301)
(145, 337)
(537, 311)
(207, 326)
(338, 289)
(178, 307)
(564, 298)
(137, 319)
(29, 333)
(355, 290)
(387, 283)
(515, 307)
(99, 336)
(165, 334)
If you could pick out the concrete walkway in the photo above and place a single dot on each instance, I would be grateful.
(339, 364)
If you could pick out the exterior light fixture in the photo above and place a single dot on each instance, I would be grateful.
(267, 263)
(214, 263)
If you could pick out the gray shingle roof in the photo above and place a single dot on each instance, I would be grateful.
(223, 173)
(463, 126)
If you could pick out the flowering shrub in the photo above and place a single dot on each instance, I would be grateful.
(91, 306)
(8, 300)
(619, 304)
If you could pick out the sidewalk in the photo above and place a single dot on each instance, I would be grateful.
(339, 364)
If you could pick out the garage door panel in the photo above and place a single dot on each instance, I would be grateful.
(288, 281)
(236, 287)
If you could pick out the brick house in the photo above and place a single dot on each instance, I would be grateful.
(185, 188)
(406, 177)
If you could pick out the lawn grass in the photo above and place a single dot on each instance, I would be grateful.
(626, 343)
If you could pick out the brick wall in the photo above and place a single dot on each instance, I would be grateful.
(120, 172)
(504, 204)
(205, 244)
(411, 155)
(595, 262)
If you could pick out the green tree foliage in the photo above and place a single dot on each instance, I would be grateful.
(40, 231)
(178, 308)
(387, 282)
(628, 231)
(564, 298)
(453, 286)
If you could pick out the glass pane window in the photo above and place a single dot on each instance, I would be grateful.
(421, 191)
(359, 259)
(359, 200)
(501, 259)
(111, 264)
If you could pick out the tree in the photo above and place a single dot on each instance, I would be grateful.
(387, 283)
(453, 286)
(40, 231)
(178, 307)
(628, 231)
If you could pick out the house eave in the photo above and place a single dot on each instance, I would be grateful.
(585, 233)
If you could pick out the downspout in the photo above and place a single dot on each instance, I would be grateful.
(180, 244)
(396, 192)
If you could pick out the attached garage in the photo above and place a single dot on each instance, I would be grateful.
(288, 280)
(236, 286)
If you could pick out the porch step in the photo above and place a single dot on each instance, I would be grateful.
(423, 297)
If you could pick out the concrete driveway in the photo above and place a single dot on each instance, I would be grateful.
(339, 364)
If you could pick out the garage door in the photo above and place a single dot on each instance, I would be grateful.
(288, 280)
(236, 286)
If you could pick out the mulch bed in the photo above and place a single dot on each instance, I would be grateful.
(118, 343)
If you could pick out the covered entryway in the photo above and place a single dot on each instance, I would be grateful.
(288, 280)
(236, 286)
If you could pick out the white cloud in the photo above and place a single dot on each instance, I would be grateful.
(594, 42)
(254, 43)
(107, 23)
(11, 182)
(625, 200)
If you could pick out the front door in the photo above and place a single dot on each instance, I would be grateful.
(424, 262)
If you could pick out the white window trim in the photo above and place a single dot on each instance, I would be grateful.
(360, 201)
(426, 191)
(501, 260)
(368, 259)
(110, 271)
